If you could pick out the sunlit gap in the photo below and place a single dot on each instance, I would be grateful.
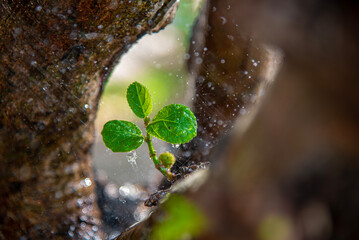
(157, 61)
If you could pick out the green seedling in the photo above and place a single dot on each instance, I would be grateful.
(174, 124)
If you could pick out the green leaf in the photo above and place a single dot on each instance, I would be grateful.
(121, 136)
(174, 123)
(139, 100)
(183, 218)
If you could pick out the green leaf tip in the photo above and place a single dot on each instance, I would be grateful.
(139, 99)
(121, 136)
(174, 123)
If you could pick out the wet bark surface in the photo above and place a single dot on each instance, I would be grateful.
(54, 60)
(229, 68)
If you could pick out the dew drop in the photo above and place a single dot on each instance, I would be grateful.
(111, 190)
(71, 234)
(58, 194)
(198, 60)
(88, 182)
(80, 201)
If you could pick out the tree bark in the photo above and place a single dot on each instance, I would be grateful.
(54, 60)
(229, 68)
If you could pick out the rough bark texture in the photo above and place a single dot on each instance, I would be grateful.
(228, 67)
(54, 59)
(293, 173)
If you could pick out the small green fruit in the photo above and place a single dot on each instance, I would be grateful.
(167, 159)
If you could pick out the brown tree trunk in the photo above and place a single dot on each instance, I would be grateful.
(54, 59)
(229, 68)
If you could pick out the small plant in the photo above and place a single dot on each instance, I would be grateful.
(174, 124)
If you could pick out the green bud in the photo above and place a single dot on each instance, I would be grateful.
(167, 159)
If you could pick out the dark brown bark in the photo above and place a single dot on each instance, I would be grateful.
(54, 59)
(229, 68)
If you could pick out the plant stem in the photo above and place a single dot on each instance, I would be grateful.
(153, 155)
